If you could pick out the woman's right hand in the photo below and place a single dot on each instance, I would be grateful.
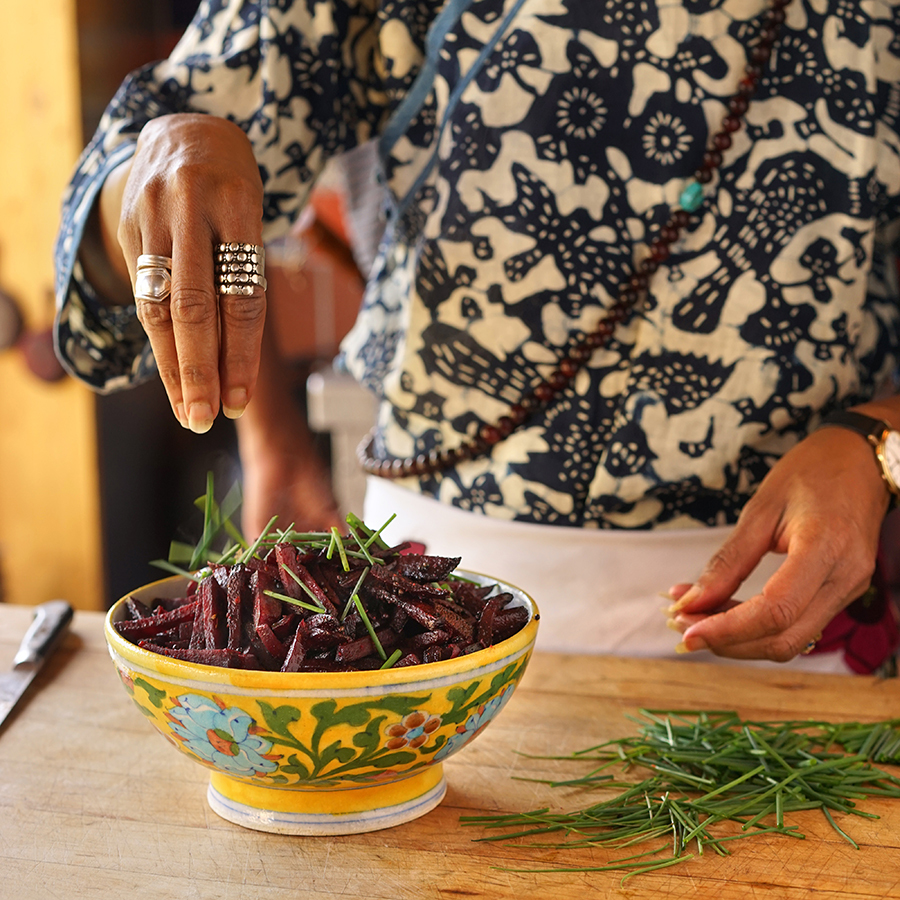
(193, 182)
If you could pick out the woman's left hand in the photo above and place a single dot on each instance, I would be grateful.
(822, 505)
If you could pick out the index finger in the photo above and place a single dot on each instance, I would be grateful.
(802, 595)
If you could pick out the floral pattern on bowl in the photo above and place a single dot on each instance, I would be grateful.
(312, 753)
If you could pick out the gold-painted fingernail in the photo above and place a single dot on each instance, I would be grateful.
(691, 645)
(688, 597)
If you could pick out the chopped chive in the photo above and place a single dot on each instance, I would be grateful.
(354, 593)
(763, 771)
(293, 600)
(340, 545)
(389, 662)
(318, 603)
(366, 621)
(248, 553)
(364, 549)
(375, 537)
(175, 570)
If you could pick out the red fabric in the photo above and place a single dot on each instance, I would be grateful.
(867, 630)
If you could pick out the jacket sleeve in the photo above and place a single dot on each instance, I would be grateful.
(298, 77)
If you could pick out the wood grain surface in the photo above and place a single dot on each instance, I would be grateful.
(94, 804)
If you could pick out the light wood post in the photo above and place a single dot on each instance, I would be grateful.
(50, 544)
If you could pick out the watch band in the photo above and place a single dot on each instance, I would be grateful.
(874, 431)
(870, 428)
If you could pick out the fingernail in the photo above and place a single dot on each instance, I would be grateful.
(688, 597)
(691, 645)
(200, 417)
(234, 404)
(671, 623)
(179, 414)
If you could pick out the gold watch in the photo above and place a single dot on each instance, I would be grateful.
(881, 436)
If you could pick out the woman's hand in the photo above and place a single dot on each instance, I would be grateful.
(192, 183)
(822, 505)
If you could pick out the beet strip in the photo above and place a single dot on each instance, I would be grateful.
(212, 601)
(266, 610)
(138, 610)
(508, 621)
(135, 629)
(424, 569)
(296, 653)
(236, 587)
(317, 590)
(486, 620)
(229, 659)
(196, 640)
(422, 613)
(464, 628)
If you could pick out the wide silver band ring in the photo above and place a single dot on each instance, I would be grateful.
(240, 268)
(153, 281)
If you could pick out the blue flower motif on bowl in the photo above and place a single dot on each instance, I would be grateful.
(475, 724)
(221, 737)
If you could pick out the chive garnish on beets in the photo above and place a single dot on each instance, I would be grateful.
(318, 605)
(368, 623)
(336, 535)
(354, 594)
(708, 768)
(294, 601)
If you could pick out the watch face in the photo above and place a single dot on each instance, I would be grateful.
(891, 458)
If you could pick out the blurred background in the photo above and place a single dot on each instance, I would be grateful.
(94, 487)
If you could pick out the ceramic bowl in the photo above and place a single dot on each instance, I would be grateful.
(321, 752)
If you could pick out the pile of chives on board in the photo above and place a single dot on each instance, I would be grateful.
(708, 768)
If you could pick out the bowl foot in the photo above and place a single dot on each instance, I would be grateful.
(310, 812)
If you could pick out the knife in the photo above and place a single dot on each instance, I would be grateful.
(49, 624)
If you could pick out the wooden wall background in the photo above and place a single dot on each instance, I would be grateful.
(49, 510)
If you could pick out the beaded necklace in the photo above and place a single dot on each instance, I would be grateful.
(632, 289)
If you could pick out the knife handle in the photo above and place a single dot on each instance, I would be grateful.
(50, 621)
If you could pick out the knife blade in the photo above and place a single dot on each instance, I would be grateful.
(49, 624)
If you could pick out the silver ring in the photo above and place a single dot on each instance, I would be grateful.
(240, 268)
(232, 247)
(244, 290)
(152, 261)
(153, 284)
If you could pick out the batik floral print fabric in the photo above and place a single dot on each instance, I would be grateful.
(528, 168)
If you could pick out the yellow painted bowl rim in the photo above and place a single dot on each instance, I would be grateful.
(276, 682)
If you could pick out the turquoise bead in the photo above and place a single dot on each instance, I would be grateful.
(691, 197)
